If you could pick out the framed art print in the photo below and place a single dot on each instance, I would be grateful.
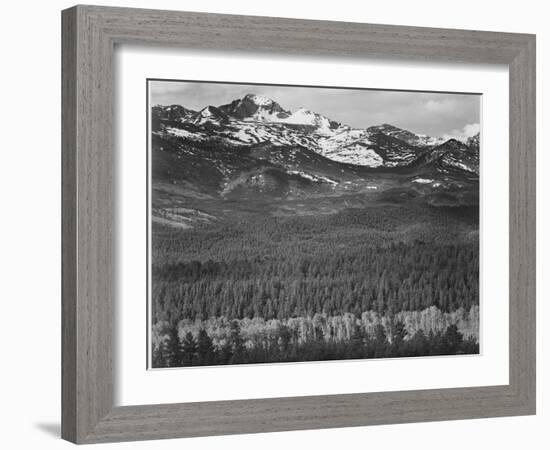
(267, 230)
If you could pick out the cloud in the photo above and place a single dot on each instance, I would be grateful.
(463, 133)
(445, 105)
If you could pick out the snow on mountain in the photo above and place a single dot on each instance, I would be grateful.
(210, 114)
(303, 116)
(260, 100)
(359, 155)
(405, 135)
(473, 141)
(181, 132)
(455, 155)
(256, 119)
(314, 178)
(255, 108)
(173, 113)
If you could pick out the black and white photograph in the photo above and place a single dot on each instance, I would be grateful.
(297, 223)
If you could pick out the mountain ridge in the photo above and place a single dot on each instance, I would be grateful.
(254, 152)
(254, 119)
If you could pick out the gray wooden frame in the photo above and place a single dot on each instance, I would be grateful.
(89, 36)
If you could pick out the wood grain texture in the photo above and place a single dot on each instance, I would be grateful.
(88, 211)
(89, 36)
(523, 224)
(68, 225)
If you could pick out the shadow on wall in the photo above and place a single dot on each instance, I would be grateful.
(53, 429)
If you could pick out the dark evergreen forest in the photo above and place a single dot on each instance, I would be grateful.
(382, 281)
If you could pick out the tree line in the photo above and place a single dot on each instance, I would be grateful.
(190, 350)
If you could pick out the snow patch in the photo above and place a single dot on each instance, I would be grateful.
(423, 181)
(183, 133)
(260, 100)
(358, 155)
(243, 136)
(314, 178)
(460, 165)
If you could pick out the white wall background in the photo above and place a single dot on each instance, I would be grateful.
(30, 224)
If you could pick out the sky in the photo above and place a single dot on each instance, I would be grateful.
(435, 114)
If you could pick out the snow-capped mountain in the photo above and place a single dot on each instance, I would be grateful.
(418, 140)
(173, 113)
(255, 108)
(450, 157)
(254, 153)
(256, 119)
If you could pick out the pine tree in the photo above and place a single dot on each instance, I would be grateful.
(380, 341)
(159, 356)
(189, 347)
(173, 350)
(452, 339)
(358, 338)
(237, 342)
(419, 344)
(398, 338)
(285, 336)
(225, 353)
(205, 348)
(398, 332)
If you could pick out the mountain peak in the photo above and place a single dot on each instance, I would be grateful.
(209, 114)
(452, 144)
(384, 128)
(260, 100)
(210, 111)
(255, 108)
